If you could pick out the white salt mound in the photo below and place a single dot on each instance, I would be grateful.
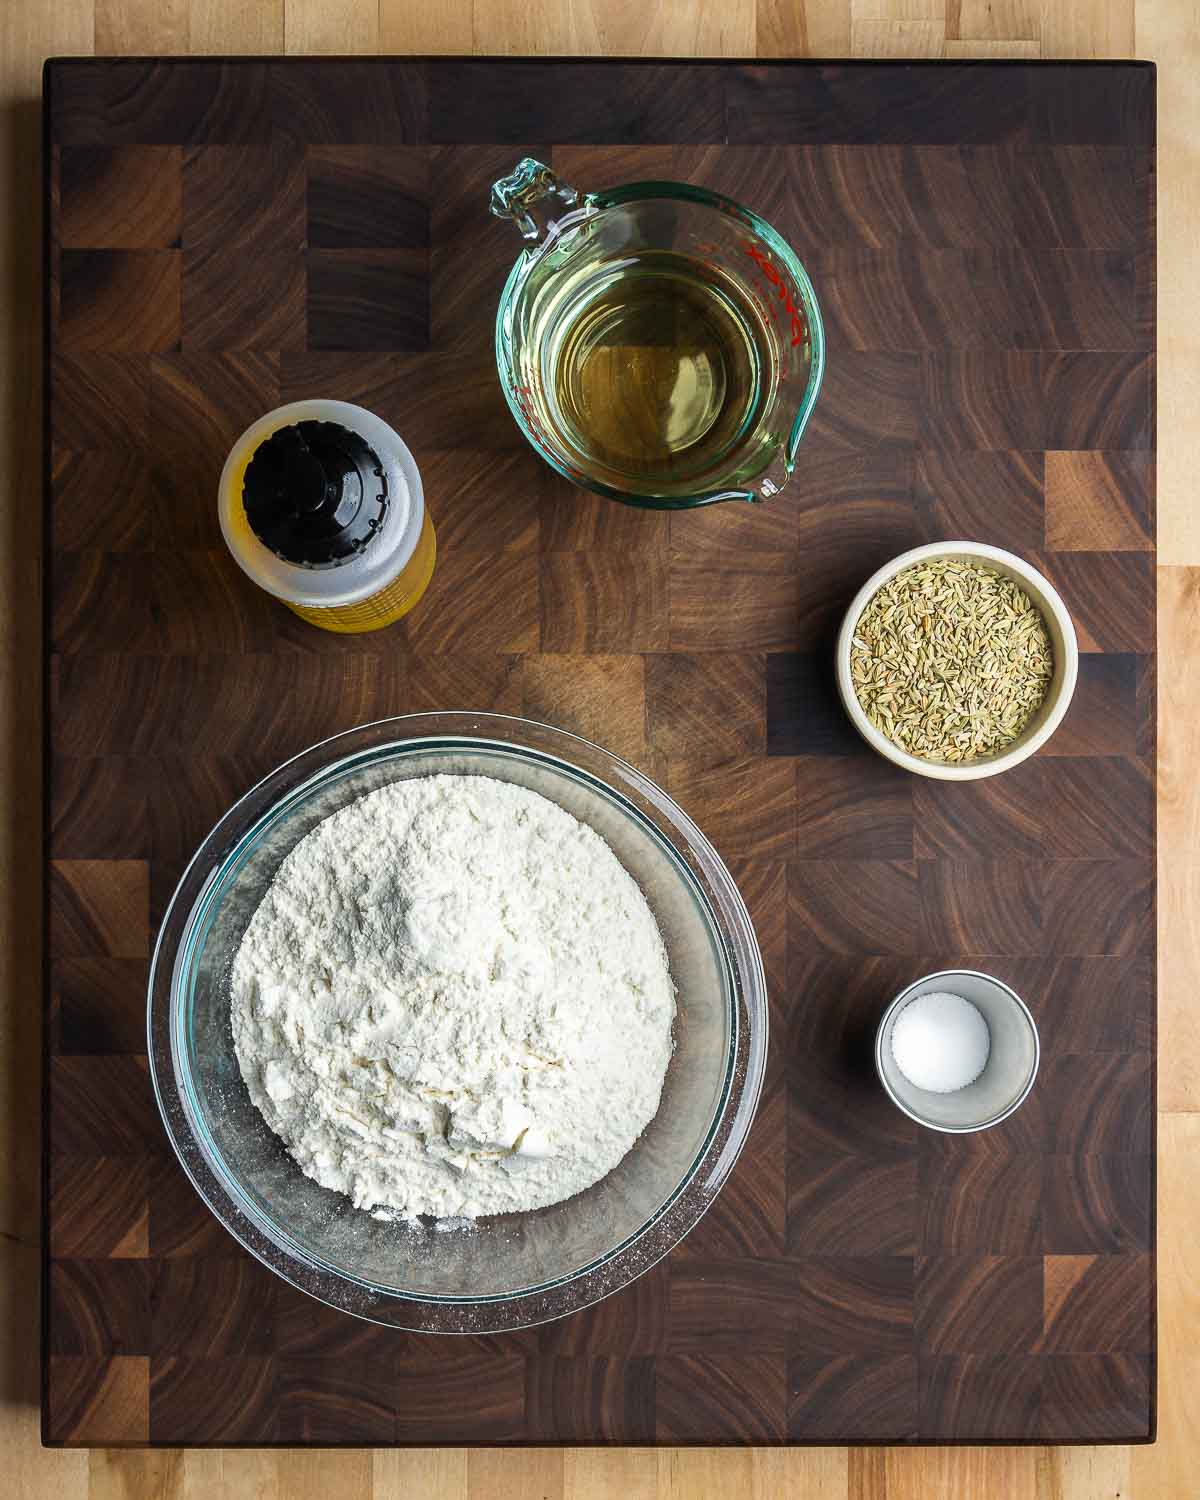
(940, 1042)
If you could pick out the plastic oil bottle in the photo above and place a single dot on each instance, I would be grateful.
(321, 504)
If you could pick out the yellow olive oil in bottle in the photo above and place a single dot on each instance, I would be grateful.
(321, 505)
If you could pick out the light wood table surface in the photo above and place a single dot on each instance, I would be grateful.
(1166, 31)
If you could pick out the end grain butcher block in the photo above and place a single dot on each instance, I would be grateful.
(228, 235)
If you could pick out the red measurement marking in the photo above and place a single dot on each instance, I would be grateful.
(522, 394)
(799, 327)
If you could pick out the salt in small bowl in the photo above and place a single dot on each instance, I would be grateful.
(1007, 1076)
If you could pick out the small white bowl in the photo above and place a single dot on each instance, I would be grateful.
(1058, 695)
(1007, 1077)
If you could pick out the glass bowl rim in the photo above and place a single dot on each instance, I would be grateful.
(689, 851)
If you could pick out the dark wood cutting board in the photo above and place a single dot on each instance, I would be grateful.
(224, 236)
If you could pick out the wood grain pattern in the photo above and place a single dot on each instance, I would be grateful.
(963, 1393)
(1099, 501)
(123, 198)
(1097, 1203)
(708, 708)
(1113, 1386)
(120, 301)
(834, 1109)
(976, 1200)
(367, 197)
(96, 795)
(867, 497)
(98, 1004)
(483, 1370)
(99, 1207)
(99, 1307)
(366, 299)
(836, 1306)
(804, 713)
(464, 270)
(978, 238)
(220, 1401)
(194, 404)
(745, 1397)
(854, 1305)
(604, 601)
(856, 906)
(853, 808)
(760, 827)
(1096, 1304)
(212, 1308)
(980, 493)
(614, 1399)
(180, 1223)
(986, 1304)
(443, 395)
(632, 1323)
(599, 697)
(985, 907)
(109, 1395)
(1181, 820)
(100, 907)
(1108, 1091)
(104, 1106)
(102, 499)
(1104, 713)
(1087, 1004)
(847, 1206)
(1098, 907)
(1108, 598)
(845, 1398)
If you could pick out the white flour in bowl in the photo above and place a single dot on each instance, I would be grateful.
(453, 1000)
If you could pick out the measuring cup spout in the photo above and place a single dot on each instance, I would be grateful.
(763, 485)
(530, 196)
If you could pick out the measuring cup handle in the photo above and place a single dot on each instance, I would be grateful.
(528, 186)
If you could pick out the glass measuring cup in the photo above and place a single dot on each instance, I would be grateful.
(657, 343)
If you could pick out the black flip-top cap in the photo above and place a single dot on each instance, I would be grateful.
(315, 493)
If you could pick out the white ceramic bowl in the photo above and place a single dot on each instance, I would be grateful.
(1058, 696)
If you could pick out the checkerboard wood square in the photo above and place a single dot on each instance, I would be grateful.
(227, 235)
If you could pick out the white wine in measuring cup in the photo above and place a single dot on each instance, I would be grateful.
(657, 366)
(656, 342)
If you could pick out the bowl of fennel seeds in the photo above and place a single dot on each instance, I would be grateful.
(957, 660)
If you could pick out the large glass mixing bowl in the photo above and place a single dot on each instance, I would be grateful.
(508, 1270)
